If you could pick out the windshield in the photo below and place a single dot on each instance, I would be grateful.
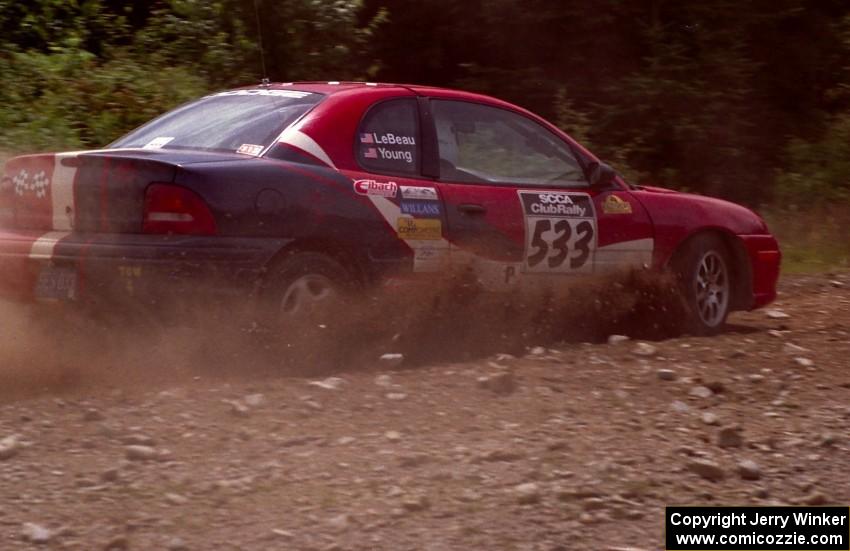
(245, 121)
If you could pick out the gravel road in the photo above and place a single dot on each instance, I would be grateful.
(565, 446)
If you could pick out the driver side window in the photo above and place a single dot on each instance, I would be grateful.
(485, 144)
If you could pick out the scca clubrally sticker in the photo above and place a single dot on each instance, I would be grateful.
(560, 231)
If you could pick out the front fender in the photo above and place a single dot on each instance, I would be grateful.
(678, 216)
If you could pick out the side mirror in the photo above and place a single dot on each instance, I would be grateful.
(600, 175)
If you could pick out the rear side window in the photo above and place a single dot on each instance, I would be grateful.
(388, 138)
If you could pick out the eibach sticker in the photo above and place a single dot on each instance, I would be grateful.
(560, 231)
(374, 187)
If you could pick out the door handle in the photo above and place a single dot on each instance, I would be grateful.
(471, 208)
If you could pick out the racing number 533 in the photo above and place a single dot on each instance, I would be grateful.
(557, 251)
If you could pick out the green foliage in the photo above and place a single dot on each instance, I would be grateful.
(87, 71)
(203, 37)
(818, 171)
(696, 95)
(812, 238)
(77, 83)
(747, 101)
(67, 99)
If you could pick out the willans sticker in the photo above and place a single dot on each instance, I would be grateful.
(424, 209)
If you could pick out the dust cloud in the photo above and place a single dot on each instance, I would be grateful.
(55, 348)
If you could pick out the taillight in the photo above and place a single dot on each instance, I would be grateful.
(174, 209)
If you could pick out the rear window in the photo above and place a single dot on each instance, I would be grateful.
(245, 121)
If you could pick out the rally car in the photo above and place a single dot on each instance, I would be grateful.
(290, 192)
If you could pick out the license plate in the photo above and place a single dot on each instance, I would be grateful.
(56, 283)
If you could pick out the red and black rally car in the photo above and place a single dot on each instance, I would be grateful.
(289, 191)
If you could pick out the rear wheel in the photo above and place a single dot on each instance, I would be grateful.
(304, 293)
(704, 270)
(303, 287)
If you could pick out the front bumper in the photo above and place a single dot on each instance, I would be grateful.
(140, 267)
(765, 260)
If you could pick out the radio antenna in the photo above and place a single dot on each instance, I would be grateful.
(260, 43)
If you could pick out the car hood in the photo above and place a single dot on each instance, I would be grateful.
(670, 208)
(655, 189)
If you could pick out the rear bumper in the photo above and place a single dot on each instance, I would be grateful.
(765, 259)
(109, 266)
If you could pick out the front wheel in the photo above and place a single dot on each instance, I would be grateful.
(704, 271)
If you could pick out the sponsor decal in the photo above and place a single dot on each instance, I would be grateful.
(36, 185)
(388, 154)
(426, 209)
(430, 256)
(556, 204)
(386, 139)
(250, 149)
(417, 228)
(615, 205)
(158, 143)
(416, 192)
(560, 231)
(264, 92)
(373, 187)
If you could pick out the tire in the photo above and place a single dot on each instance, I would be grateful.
(704, 271)
(303, 291)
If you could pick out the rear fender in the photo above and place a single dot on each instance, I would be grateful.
(355, 264)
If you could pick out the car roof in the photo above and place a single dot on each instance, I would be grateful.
(352, 87)
(334, 87)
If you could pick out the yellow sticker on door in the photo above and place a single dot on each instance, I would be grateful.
(419, 228)
(615, 205)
